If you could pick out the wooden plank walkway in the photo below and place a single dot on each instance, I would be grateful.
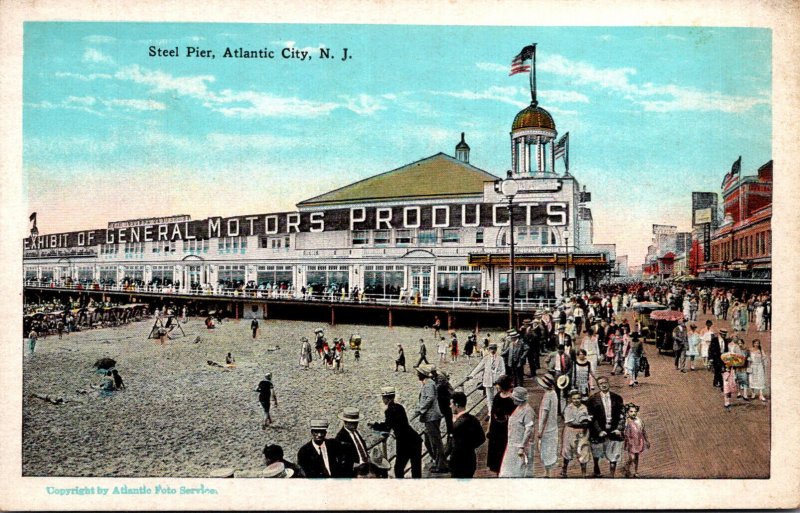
(692, 435)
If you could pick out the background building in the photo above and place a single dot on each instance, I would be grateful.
(741, 248)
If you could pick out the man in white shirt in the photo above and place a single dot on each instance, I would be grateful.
(607, 427)
(354, 447)
(492, 367)
(321, 457)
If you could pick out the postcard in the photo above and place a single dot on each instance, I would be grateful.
(528, 247)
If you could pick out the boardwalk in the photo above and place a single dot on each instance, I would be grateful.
(692, 435)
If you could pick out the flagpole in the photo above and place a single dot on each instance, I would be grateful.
(533, 77)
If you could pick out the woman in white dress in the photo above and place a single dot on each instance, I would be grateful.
(757, 370)
(518, 457)
(759, 309)
(592, 347)
(548, 424)
(693, 345)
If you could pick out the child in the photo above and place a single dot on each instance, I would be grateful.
(575, 442)
(635, 439)
(729, 385)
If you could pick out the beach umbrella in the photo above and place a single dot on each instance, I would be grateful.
(105, 363)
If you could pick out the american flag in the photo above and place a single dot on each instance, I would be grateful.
(518, 65)
(735, 169)
(560, 149)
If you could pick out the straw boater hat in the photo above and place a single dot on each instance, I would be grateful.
(561, 328)
(319, 330)
(387, 391)
(350, 415)
(377, 459)
(319, 425)
(512, 333)
(278, 469)
(426, 369)
(562, 382)
(519, 395)
(492, 346)
(222, 472)
(546, 381)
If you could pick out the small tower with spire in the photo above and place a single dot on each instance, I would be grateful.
(532, 135)
(462, 150)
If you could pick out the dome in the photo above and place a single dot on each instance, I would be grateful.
(533, 116)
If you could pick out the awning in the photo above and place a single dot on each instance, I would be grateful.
(585, 260)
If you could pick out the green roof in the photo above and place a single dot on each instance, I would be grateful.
(437, 176)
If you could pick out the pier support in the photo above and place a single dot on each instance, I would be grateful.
(390, 317)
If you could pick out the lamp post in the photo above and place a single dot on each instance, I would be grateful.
(566, 261)
(509, 188)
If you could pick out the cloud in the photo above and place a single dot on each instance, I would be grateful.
(96, 56)
(85, 78)
(135, 104)
(561, 96)
(194, 86)
(97, 39)
(582, 73)
(508, 94)
(364, 104)
(257, 104)
(491, 66)
(672, 97)
(86, 101)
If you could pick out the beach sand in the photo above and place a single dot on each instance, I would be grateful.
(180, 417)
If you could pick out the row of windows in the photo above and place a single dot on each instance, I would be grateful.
(232, 245)
(402, 237)
(750, 246)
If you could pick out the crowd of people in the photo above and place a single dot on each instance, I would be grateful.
(577, 419)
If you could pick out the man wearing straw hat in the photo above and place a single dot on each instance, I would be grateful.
(409, 444)
(431, 416)
(321, 456)
(354, 448)
(515, 355)
(492, 367)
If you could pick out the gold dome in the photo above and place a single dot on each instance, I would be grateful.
(533, 116)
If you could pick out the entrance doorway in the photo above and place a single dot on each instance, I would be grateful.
(421, 281)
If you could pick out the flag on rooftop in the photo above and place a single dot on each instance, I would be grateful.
(519, 64)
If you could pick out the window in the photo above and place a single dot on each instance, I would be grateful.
(451, 235)
(232, 245)
(479, 236)
(382, 237)
(402, 237)
(427, 237)
(194, 246)
(360, 237)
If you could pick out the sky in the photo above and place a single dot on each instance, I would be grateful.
(112, 133)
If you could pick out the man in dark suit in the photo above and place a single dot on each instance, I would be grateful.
(354, 447)
(321, 457)
(716, 346)
(515, 355)
(468, 435)
(607, 427)
(562, 338)
(409, 443)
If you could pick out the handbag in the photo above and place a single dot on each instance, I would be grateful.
(644, 364)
